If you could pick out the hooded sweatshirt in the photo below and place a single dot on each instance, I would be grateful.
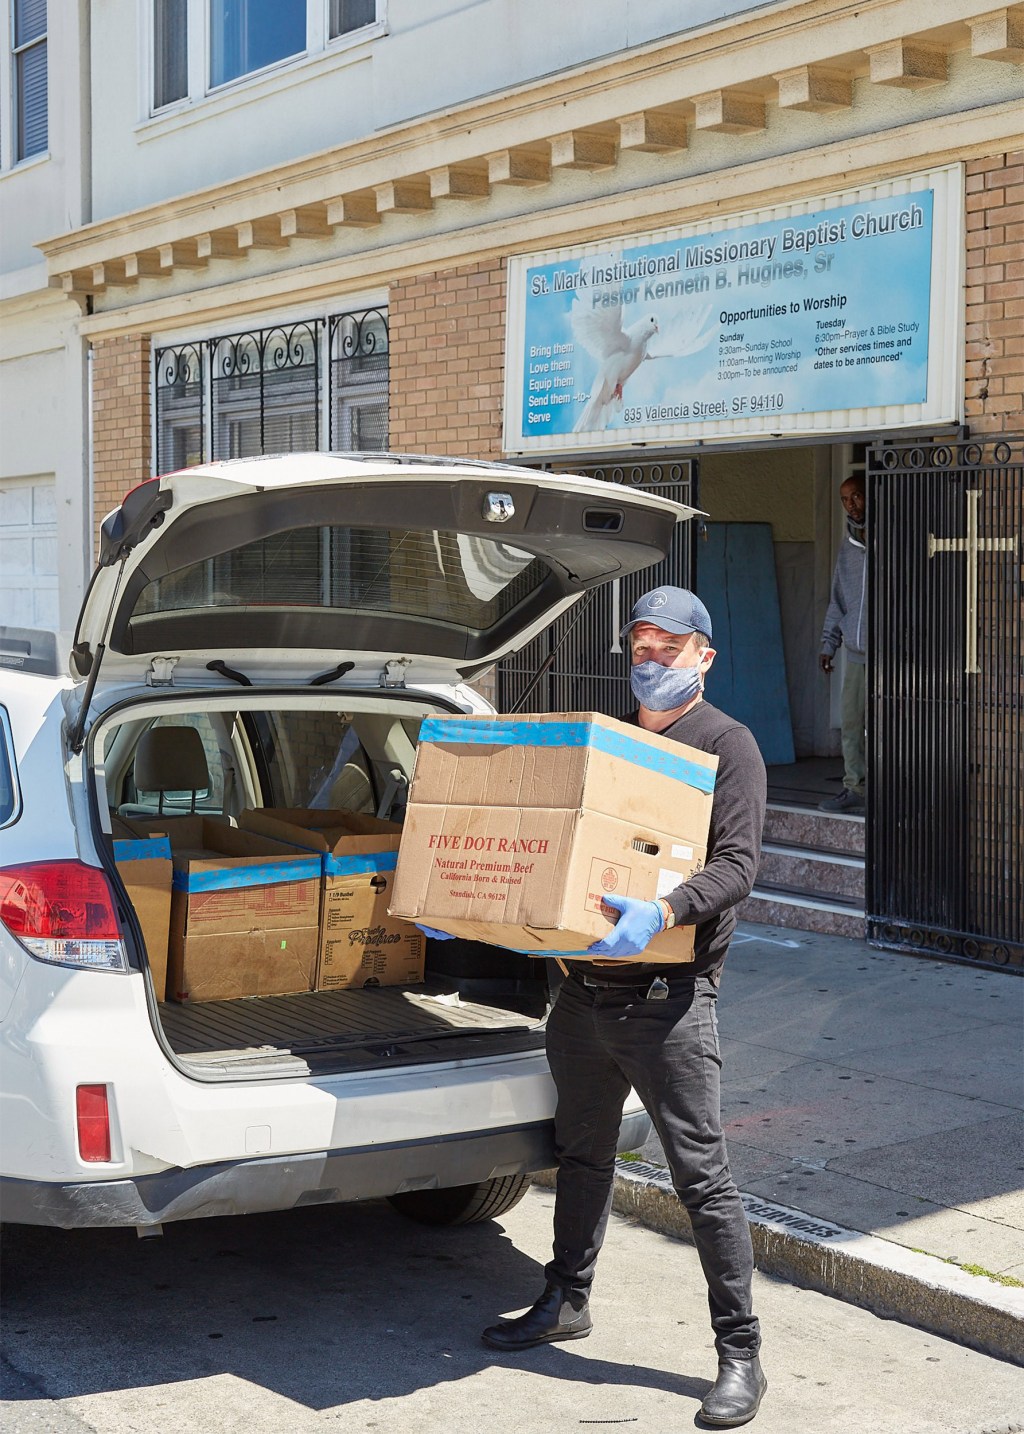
(846, 618)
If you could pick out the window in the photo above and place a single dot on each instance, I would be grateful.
(313, 760)
(248, 35)
(266, 391)
(134, 800)
(359, 382)
(451, 579)
(170, 52)
(31, 132)
(204, 45)
(349, 15)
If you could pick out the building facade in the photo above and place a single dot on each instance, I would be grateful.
(348, 224)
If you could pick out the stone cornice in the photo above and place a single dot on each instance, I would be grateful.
(724, 79)
(728, 191)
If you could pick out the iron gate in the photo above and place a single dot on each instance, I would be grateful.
(590, 672)
(945, 857)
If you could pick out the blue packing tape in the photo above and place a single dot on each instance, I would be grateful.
(141, 849)
(354, 865)
(570, 734)
(264, 873)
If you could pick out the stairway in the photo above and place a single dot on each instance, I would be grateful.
(811, 875)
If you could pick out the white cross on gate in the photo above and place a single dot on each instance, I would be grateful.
(972, 545)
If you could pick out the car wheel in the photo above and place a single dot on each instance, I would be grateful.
(463, 1204)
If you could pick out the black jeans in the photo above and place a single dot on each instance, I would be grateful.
(601, 1042)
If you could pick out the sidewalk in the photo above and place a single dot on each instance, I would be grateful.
(874, 1107)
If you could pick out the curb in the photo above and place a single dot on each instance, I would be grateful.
(864, 1270)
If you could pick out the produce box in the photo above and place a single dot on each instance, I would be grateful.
(145, 867)
(360, 943)
(244, 913)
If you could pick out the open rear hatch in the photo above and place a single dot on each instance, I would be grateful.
(373, 580)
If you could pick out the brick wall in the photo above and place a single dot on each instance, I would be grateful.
(120, 417)
(447, 340)
(995, 293)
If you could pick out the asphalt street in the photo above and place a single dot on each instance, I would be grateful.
(352, 1318)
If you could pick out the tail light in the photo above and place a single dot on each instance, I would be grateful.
(63, 911)
(92, 1115)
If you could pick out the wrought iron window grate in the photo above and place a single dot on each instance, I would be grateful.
(274, 390)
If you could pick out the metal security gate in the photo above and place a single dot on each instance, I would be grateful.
(945, 852)
(590, 670)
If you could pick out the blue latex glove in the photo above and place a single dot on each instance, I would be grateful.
(638, 924)
(434, 935)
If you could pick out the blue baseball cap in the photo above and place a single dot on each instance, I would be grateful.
(674, 609)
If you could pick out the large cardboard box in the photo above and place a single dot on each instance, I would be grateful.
(360, 943)
(517, 828)
(244, 913)
(144, 865)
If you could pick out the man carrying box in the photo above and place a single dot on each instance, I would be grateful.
(621, 1022)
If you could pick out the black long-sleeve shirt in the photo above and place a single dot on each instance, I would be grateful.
(708, 899)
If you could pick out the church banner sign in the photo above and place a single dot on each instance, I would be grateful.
(833, 315)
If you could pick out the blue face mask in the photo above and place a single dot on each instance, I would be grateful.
(659, 689)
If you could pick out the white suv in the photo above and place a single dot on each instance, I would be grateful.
(303, 614)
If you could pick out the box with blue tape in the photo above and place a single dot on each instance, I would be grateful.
(361, 945)
(244, 913)
(144, 865)
(518, 827)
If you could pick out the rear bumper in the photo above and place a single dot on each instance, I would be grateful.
(286, 1182)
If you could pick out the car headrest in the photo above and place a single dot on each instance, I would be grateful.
(171, 759)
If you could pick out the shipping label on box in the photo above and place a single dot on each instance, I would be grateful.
(144, 865)
(564, 810)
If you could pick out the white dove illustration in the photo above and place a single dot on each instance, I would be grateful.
(686, 332)
(619, 353)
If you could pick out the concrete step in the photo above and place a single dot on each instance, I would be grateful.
(814, 831)
(804, 911)
(802, 869)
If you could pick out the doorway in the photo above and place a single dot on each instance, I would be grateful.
(763, 566)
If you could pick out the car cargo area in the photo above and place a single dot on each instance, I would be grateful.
(331, 1030)
(208, 807)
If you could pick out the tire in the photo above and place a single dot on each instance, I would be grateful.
(462, 1204)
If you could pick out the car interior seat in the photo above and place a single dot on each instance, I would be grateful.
(168, 759)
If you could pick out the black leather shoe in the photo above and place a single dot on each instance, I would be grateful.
(737, 1393)
(552, 1317)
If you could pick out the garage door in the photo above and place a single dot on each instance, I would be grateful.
(28, 552)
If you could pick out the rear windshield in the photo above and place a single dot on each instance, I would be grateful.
(469, 582)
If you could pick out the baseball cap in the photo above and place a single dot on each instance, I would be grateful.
(674, 609)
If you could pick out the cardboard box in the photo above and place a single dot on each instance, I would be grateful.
(144, 865)
(244, 913)
(517, 828)
(360, 943)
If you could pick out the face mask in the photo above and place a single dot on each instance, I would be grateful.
(659, 689)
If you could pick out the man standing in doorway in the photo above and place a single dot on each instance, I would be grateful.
(845, 623)
(620, 1021)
